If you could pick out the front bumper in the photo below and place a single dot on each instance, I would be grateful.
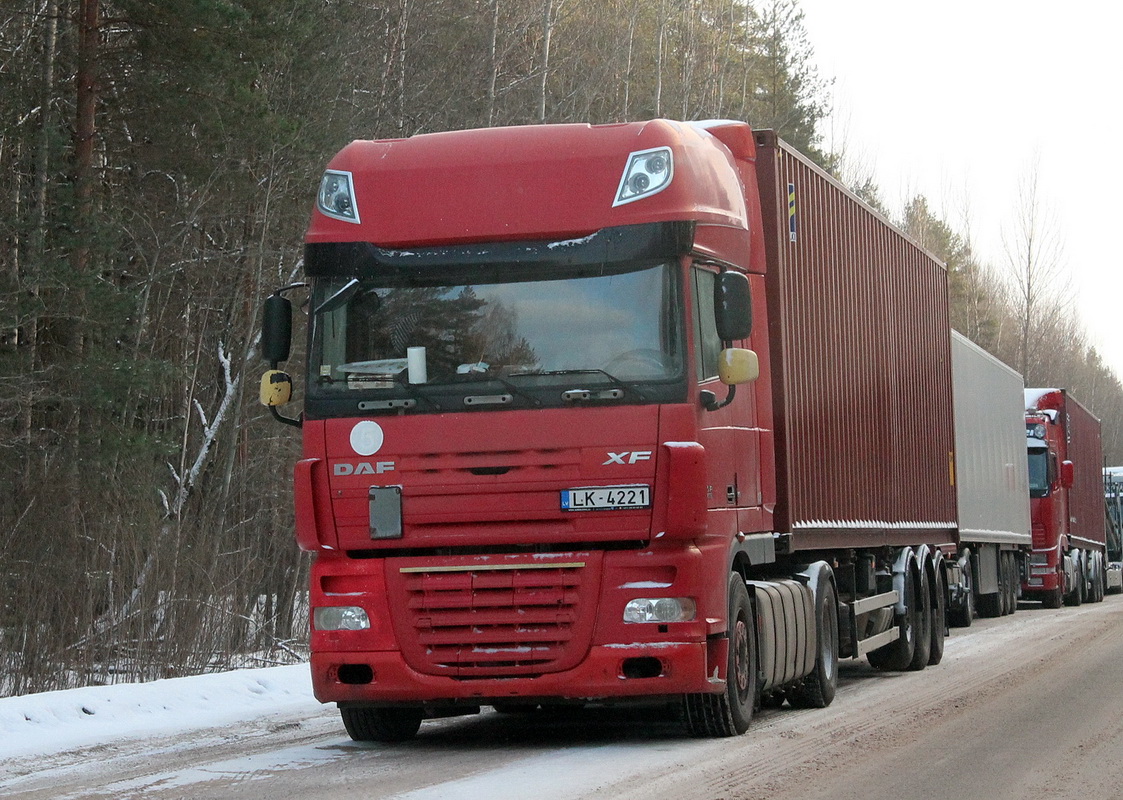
(614, 671)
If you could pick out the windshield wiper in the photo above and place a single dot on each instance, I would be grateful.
(339, 299)
(612, 379)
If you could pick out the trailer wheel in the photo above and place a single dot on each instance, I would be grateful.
(381, 724)
(817, 690)
(729, 713)
(897, 655)
(939, 615)
(1013, 582)
(922, 648)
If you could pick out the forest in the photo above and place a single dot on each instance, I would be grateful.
(158, 162)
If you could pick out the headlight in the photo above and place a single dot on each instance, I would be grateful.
(647, 172)
(340, 618)
(337, 196)
(660, 609)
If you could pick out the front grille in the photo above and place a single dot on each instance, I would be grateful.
(494, 620)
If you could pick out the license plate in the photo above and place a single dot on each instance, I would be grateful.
(600, 498)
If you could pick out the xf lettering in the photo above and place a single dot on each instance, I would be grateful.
(628, 457)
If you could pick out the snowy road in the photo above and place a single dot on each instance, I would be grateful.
(980, 725)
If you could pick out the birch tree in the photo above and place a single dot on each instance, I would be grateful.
(1034, 261)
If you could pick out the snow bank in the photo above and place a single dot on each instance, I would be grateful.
(51, 722)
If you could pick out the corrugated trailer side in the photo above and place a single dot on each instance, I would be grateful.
(992, 478)
(1085, 449)
(860, 353)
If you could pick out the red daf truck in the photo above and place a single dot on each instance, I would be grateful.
(652, 412)
(1069, 558)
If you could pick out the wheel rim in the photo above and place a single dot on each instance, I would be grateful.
(741, 658)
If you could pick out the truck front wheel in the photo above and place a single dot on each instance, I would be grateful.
(729, 713)
(1052, 598)
(381, 724)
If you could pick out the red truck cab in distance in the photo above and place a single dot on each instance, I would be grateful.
(587, 413)
(1069, 558)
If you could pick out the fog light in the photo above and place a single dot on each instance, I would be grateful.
(340, 618)
(660, 609)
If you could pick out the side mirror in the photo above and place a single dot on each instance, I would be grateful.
(276, 388)
(1068, 474)
(736, 365)
(733, 306)
(276, 330)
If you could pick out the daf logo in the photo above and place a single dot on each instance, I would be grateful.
(363, 468)
(628, 457)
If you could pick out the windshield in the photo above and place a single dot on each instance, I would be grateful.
(1038, 472)
(404, 339)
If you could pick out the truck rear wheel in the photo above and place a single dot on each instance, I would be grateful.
(729, 713)
(817, 690)
(1076, 596)
(381, 724)
(1096, 579)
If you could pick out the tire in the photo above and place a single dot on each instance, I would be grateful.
(1076, 596)
(897, 655)
(381, 724)
(922, 649)
(1052, 598)
(1013, 582)
(1004, 584)
(729, 713)
(939, 616)
(817, 690)
(1098, 590)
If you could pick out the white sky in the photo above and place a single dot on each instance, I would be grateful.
(958, 100)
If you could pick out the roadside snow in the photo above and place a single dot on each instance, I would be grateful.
(52, 722)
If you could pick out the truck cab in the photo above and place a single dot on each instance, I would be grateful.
(1068, 562)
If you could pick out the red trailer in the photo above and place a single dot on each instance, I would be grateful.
(1069, 557)
(608, 414)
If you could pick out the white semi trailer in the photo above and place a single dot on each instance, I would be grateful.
(992, 485)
